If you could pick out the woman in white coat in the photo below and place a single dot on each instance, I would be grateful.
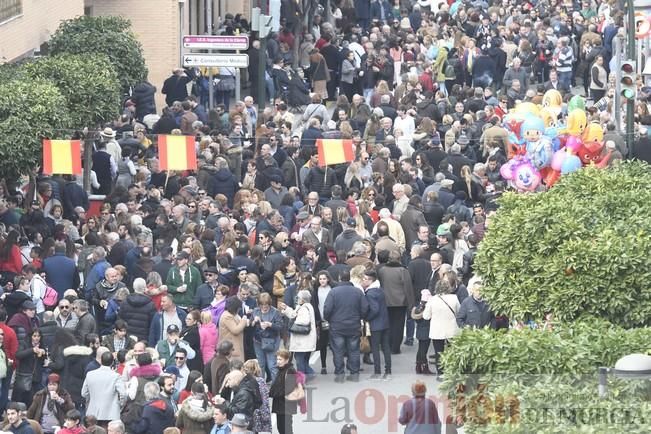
(441, 310)
(302, 345)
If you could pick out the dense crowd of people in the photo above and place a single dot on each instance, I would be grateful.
(194, 300)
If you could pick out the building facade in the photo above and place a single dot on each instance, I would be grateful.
(26, 24)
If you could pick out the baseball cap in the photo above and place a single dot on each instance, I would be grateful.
(173, 370)
(183, 255)
(173, 328)
(239, 420)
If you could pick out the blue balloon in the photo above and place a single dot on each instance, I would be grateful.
(572, 163)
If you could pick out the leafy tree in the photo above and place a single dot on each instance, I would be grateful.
(584, 247)
(111, 36)
(29, 111)
(88, 82)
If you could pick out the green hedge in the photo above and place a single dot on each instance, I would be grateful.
(537, 368)
(582, 247)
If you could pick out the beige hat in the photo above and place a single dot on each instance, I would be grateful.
(108, 132)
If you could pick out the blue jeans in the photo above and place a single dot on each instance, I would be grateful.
(345, 345)
(266, 359)
(411, 327)
(303, 363)
(565, 79)
(380, 338)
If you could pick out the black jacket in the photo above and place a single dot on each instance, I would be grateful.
(75, 360)
(144, 96)
(246, 398)
(138, 311)
(475, 313)
(321, 180)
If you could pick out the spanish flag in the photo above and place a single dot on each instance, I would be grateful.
(62, 157)
(177, 152)
(334, 151)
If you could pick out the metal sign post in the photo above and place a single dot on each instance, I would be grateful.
(211, 85)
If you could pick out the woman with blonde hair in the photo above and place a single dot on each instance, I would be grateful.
(228, 244)
(353, 178)
(467, 184)
(208, 336)
(382, 88)
(262, 415)
(198, 256)
(360, 226)
(241, 199)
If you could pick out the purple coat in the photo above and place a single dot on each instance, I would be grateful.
(216, 311)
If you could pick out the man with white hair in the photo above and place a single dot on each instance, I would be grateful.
(400, 202)
(179, 218)
(474, 311)
(138, 311)
(395, 229)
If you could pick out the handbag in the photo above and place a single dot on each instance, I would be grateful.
(297, 394)
(268, 344)
(23, 381)
(364, 345)
(226, 83)
(299, 329)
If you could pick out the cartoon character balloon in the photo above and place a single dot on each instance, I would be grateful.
(553, 100)
(576, 122)
(521, 173)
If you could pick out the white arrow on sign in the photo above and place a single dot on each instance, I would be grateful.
(232, 60)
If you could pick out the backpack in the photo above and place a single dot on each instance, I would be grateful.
(50, 297)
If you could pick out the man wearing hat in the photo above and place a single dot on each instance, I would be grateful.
(183, 280)
(105, 167)
(170, 347)
(206, 291)
(275, 193)
(112, 146)
(25, 320)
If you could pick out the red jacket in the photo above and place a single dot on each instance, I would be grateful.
(14, 263)
(10, 343)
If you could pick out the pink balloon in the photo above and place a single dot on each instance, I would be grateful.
(507, 169)
(527, 177)
(557, 160)
(574, 144)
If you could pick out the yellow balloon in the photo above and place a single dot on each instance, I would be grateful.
(553, 100)
(527, 107)
(549, 116)
(576, 122)
(594, 133)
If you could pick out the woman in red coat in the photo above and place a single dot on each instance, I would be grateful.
(11, 263)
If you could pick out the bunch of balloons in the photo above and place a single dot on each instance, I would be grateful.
(542, 148)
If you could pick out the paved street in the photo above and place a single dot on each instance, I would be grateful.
(374, 406)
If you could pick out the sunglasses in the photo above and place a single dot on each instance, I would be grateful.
(64, 307)
(179, 358)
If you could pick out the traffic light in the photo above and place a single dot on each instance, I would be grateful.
(628, 81)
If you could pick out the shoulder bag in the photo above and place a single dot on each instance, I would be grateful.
(299, 329)
(446, 303)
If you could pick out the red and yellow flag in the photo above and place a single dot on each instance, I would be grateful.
(334, 151)
(177, 152)
(62, 157)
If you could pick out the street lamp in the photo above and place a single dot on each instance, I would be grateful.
(630, 367)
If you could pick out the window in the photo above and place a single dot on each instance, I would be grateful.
(10, 9)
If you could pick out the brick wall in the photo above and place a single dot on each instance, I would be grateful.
(156, 25)
(24, 34)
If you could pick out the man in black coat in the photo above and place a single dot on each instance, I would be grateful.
(143, 96)
(138, 311)
(175, 87)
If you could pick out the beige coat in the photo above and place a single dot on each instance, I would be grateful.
(443, 319)
(231, 328)
(304, 315)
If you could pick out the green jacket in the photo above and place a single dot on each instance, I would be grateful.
(192, 280)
